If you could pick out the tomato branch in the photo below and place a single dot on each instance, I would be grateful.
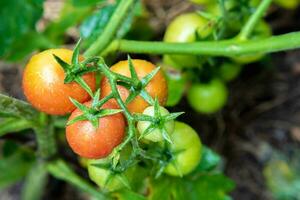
(252, 22)
(211, 48)
(111, 28)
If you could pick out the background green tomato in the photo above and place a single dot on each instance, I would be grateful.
(229, 71)
(184, 28)
(187, 144)
(208, 97)
(156, 134)
(262, 30)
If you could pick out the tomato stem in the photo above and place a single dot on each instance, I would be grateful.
(230, 47)
(254, 19)
(111, 28)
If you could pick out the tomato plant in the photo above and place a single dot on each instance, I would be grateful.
(118, 106)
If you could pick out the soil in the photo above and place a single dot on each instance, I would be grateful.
(263, 111)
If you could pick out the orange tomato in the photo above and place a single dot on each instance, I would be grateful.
(157, 87)
(43, 83)
(94, 143)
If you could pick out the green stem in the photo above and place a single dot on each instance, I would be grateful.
(45, 137)
(253, 20)
(111, 28)
(211, 48)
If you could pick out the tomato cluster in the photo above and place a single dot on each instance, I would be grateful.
(92, 131)
(206, 89)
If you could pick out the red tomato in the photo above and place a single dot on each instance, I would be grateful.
(43, 83)
(156, 88)
(89, 142)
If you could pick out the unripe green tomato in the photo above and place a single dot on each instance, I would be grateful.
(100, 175)
(208, 97)
(184, 29)
(156, 134)
(170, 62)
(229, 71)
(287, 4)
(262, 30)
(188, 145)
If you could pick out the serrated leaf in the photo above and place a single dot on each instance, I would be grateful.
(96, 98)
(84, 85)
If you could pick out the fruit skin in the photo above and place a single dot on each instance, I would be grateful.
(89, 142)
(157, 87)
(229, 71)
(186, 140)
(155, 135)
(208, 97)
(183, 29)
(43, 83)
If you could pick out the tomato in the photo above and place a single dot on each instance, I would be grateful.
(156, 134)
(184, 28)
(89, 142)
(290, 4)
(262, 30)
(229, 71)
(187, 144)
(157, 87)
(208, 97)
(43, 83)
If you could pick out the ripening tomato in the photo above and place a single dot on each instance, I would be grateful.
(208, 97)
(90, 142)
(188, 150)
(157, 87)
(156, 134)
(185, 28)
(43, 83)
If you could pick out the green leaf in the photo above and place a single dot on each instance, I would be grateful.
(133, 73)
(12, 125)
(62, 63)
(18, 17)
(128, 194)
(62, 171)
(94, 25)
(86, 2)
(205, 187)
(35, 182)
(11, 107)
(209, 160)
(172, 116)
(80, 106)
(75, 56)
(14, 165)
(77, 119)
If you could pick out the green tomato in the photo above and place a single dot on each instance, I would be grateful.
(100, 175)
(229, 71)
(287, 4)
(156, 134)
(187, 144)
(262, 30)
(208, 97)
(184, 28)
